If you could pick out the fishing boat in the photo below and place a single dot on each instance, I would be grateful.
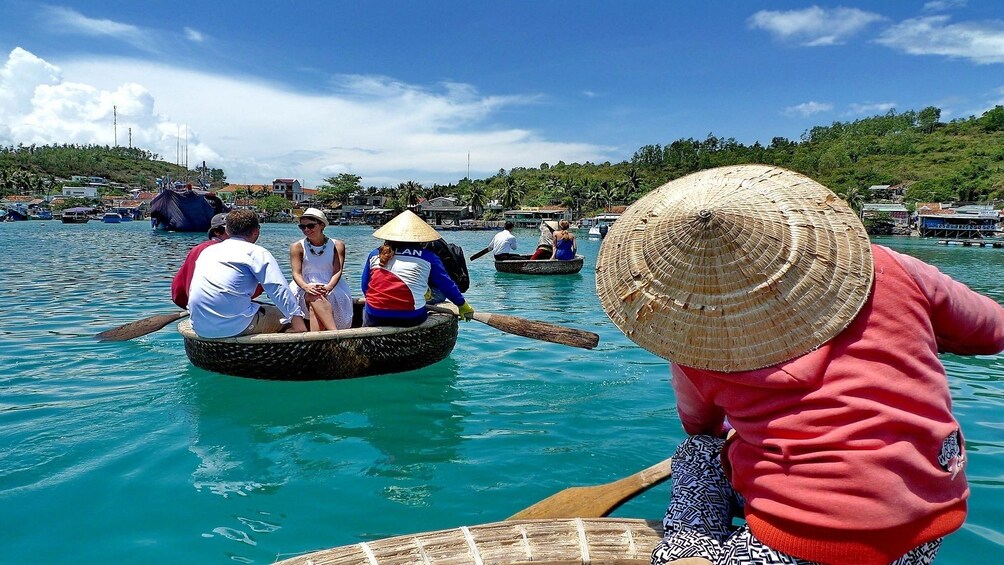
(526, 266)
(563, 540)
(325, 355)
(111, 218)
(77, 215)
(184, 209)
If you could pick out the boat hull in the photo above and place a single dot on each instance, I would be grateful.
(566, 541)
(540, 267)
(325, 355)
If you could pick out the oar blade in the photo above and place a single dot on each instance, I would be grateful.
(543, 331)
(139, 327)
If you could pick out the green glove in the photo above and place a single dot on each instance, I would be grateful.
(466, 311)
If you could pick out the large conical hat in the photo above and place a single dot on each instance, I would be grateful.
(735, 268)
(407, 227)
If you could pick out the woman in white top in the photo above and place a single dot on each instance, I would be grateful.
(318, 263)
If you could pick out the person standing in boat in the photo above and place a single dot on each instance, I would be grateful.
(396, 289)
(318, 265)
(545, 245)
(564, 243)
(226, 275)
(805, 367)
(504, 244)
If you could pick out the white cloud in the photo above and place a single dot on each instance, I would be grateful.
(66, 20)
(383, 130)
(807, 109)
(980, 42)
(943, 5)
(194, 35)
(871, 108)
(813, 26)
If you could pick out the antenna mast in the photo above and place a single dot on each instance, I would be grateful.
(115, 123)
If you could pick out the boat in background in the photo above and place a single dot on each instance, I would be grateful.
(111, 218)
(78, 215)
(184, 209)
(527, 266)
(598, 225)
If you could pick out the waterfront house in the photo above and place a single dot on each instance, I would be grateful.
(290, 189)
(899, 214)
(964, 222)
(531, 217)
(443, 211)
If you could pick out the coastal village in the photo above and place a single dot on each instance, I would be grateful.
(883, 210)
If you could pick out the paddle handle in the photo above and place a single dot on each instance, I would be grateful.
(481, 253)
(532, 329)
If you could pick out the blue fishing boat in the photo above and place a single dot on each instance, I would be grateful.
(184, 209)
(111, 218)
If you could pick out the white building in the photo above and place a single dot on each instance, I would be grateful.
(81, 191)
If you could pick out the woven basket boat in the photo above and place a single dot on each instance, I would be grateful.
(325, 355)
(565, 541)
(540, 267)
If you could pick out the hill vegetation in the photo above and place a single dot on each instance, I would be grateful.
(958, 161)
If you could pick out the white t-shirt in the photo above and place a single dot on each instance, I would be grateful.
(503, 242)
(225, 277)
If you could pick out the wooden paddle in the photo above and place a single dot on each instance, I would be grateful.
(481, 253)
(140, 327)
(528, 328)
(596, 501)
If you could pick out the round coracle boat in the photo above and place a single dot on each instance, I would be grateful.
(325, 355)
(540, 267)
(566, 541)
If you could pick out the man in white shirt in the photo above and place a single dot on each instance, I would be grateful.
(226, 275)
(504, 244)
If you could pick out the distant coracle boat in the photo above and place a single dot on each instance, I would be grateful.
(624, 541)
(526, 266)
(325, 355)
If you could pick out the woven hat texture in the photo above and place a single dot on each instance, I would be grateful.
(315, 214)
(735, 268)
(407, 227)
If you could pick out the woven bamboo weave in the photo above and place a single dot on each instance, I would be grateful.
(325, 355)
(565, 541)
(540, 267)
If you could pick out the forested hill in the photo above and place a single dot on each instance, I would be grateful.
(127, 165)
(961, 161)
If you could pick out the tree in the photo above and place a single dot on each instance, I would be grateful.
(855, 198)
(273, 204)
(408, 193)
(338, 188)
(993, 119)
(511, 192)
(477, 197)
(928, 119)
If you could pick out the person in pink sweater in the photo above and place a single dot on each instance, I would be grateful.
(805, 366)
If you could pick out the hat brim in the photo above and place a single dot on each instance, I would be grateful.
(407, 227)
(735, 268)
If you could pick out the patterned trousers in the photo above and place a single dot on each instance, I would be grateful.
(698, 521)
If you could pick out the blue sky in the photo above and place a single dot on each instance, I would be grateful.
(396, 91)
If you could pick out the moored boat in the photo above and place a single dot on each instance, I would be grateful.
(77, 215)
(567, 541)
(185, 210)
(526, 266)
(111, 218)
(325, 355)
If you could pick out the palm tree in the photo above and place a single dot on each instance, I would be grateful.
(408, 193)
(511, 192)
(855, 198)
(631, 186)
(477, 197)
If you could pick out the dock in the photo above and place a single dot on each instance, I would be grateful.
(973, 242)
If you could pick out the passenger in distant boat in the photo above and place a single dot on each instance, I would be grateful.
(564, 243)
(504, 244)
(396, 290)
(226, 275)
(318, 264)
(805, 367)
(545, 245)
(183, 278)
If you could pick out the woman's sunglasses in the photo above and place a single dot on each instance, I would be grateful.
(306, 227)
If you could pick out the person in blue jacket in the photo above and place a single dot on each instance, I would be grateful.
(396, 288)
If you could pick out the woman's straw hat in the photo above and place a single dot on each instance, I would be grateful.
(315, 214)
(407, 227)
(735, 268)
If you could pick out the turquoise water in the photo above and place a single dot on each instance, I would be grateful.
(125, 452)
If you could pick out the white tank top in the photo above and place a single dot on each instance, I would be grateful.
(317, 261)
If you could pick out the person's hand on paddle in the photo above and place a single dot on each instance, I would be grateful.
(466, 311)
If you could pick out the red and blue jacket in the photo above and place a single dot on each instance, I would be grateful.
(398, 289)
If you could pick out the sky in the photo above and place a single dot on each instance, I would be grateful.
(429, 91)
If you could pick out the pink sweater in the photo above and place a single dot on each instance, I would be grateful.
(837, 451)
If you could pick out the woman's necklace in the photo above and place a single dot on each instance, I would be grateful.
(319, 252)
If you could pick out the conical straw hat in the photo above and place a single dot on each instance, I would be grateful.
(735, 268)
(407, 227)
